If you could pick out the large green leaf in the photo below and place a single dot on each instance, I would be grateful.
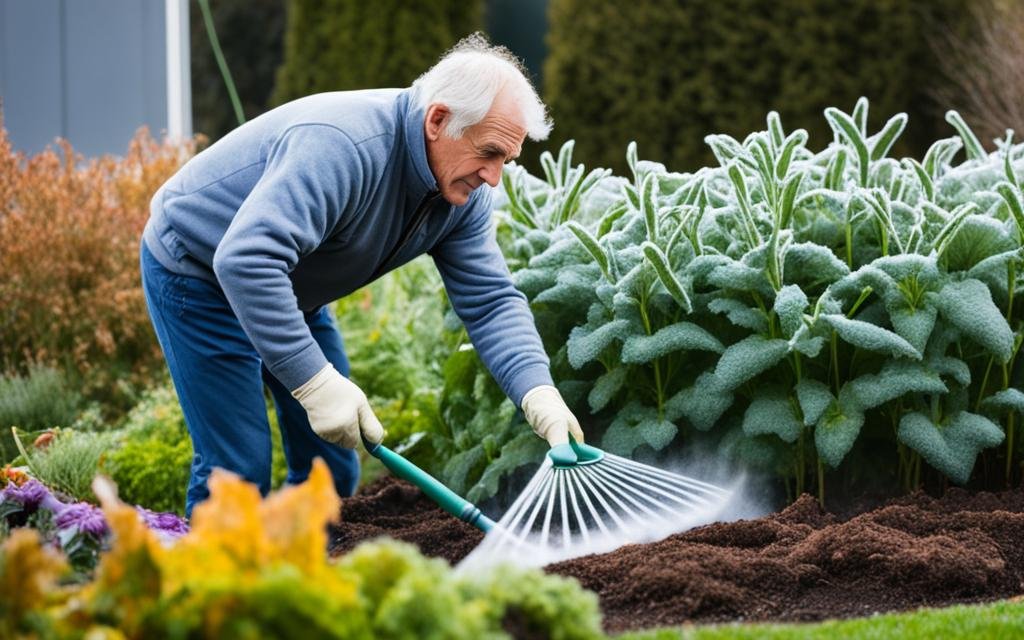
(737, 276)
(772, 412)
(978, 238)
(913, 325)
(525, 449)
(606, 387)
(968, 306)
(636, 425)
(869, 336)
(837, 429)
(586, 345)
(702, 404)
(896, 379)
(746, 359)
(790, 303)
(814, 398)
(681, 336)
(1004, 401)
(950, 447)
(740, 314)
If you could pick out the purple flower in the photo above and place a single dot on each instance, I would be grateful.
(83, 516)
(29, 495)
(167, 524)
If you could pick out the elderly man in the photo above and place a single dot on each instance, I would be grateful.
(251, 240)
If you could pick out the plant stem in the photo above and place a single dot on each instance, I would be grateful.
(821, 483)
(211, 33)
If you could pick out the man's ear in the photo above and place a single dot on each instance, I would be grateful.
(437, 118)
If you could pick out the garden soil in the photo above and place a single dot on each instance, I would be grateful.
(800, 564)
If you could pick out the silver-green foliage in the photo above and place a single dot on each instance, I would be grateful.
(856, 286)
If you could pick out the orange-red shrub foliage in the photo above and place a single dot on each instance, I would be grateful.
(70, 293)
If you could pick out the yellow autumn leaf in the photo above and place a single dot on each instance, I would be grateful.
(28, 572)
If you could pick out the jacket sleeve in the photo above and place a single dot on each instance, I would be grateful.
(496, 314)
(313, 173)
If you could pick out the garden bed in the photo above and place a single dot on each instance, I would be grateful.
(800, 564)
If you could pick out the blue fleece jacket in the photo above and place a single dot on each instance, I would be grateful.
(300, 206)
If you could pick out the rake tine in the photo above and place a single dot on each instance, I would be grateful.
(590, 507)
(669, 482)
(547, 514)
(674, 477)
(685, 498)
(576, 510)
(611, 512)
(610, 481)
(611, 495)
(566, 534)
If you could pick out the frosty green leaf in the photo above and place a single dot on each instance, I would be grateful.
(913, 325)
(746, 359)
(606, 387)
(739, 314)
(968, 306)
(665, 274)
(951, 447)
(681, 336)
(814, 398)
(790, 303)
(896, 379)
(1004, 401)
(812, 264)
(887, 136)
(585, 346)
(971, 143)
(702, 404)
(772, 413)
(837, 430)
(845, 127)
(869, 336)
(589, 243)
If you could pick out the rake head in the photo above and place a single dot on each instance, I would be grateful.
(583, 500)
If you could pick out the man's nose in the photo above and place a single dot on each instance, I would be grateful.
(491, 173)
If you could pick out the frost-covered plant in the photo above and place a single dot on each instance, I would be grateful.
(789, 295)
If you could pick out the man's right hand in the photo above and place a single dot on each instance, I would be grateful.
(338, 409)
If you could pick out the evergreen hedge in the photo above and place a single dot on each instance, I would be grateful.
(666, 73)
(337, 45)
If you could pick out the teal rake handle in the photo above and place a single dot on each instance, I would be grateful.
(442, 495)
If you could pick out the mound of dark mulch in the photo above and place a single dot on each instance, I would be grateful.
(394, 508)
(799, 564)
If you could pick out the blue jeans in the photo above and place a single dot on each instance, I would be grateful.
(219, 378)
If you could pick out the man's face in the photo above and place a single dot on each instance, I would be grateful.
(462, 165)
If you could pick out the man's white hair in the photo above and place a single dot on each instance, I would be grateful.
(469, 77)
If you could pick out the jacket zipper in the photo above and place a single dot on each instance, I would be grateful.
(417, 221)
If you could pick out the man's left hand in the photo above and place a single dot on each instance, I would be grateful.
(549, 416)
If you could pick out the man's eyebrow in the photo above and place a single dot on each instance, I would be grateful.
(493, 148)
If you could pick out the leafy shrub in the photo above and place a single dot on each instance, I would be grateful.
(69, 263)
(345, 44)
(666, 73)
(152, 458)
(790, 294)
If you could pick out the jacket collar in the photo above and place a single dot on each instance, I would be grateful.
(421, 179)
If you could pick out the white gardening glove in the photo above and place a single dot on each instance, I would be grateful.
(338, 409)
(549, 416)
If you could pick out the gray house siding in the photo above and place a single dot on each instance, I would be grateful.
(90, 71)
